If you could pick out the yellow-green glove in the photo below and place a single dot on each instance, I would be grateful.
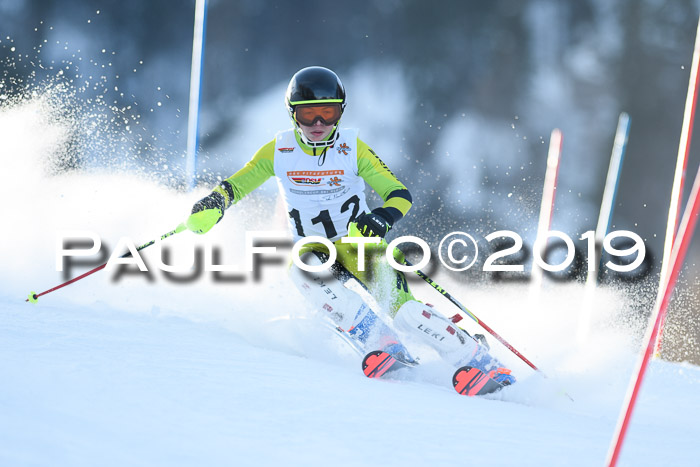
(206, 213)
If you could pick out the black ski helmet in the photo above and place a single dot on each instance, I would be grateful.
(315, 85)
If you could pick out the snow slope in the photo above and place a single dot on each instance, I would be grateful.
(139, 372)
(93, 385)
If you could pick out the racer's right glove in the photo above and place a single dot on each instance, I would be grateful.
(374, 224)
(206, 213)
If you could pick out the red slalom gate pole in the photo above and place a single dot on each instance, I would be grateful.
(680, 248)
(549, 192)
(34, 297)
(679, 177)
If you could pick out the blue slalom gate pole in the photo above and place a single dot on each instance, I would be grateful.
(607, 206)
(200, 20)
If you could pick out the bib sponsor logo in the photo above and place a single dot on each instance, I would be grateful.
(305, 181)
(285, 150)
(344, 148)
(315, 177)
(330, 194)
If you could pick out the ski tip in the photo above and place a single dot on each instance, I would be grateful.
(376, 363)
(469, 381)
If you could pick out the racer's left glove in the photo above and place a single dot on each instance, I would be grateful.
(374, 224)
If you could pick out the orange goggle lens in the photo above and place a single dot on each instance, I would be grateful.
(308, 114)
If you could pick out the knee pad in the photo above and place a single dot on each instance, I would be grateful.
(328, 294)
(432, 328)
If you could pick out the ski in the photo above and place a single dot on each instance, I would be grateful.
(467, 380)
(378, 363)
(470, 381)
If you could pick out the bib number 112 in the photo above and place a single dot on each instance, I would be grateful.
(324, 217)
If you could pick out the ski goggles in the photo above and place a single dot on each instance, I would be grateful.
(308, 114)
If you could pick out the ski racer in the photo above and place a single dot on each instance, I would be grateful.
(321, 170)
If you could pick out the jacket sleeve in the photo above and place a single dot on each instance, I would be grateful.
(397, 199)
(250, 177)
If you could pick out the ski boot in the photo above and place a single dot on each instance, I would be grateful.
(453, 343)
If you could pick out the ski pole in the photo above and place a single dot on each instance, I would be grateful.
(464, 309)
(34, 297)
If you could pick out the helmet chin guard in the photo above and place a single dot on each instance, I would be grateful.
(328, 142)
